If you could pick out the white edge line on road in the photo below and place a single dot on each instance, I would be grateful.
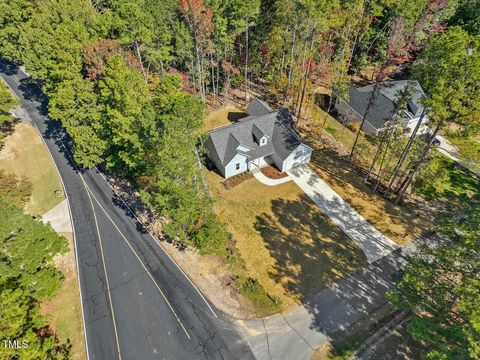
(90, 193)
(133, 213)
(158, 243)
(71, 221)
(104, 265)
(74, 240)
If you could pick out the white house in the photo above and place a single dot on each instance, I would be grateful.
(264, 137)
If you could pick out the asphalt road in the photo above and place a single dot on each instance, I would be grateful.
(137, 304)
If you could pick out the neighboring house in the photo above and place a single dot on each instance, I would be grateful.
(264, 137)
(382, 107)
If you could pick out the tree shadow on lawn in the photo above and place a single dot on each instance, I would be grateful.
(310, 252)
(401, 223)
(452, 192)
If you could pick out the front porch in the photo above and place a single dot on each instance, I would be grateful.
(256, 164)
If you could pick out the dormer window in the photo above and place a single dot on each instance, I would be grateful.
(258, 136)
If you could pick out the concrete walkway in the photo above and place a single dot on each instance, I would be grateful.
(372, 242)
(59, 218)
(268, 181)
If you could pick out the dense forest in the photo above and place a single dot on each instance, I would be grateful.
(130, 81)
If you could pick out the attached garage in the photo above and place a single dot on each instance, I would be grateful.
(299, 156)
(265, 137)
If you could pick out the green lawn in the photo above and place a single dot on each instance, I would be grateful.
(24, 154)
(451, 182)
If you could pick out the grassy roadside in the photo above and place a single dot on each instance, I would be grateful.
(64, 309)
(25, 155)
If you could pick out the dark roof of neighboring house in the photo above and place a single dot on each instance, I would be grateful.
(383, 102)
(258, 108)
(278, 126)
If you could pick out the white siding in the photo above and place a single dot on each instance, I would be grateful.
(411, 123)
(230, 168)
(301, 155)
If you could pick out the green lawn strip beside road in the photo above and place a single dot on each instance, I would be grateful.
(24, 155)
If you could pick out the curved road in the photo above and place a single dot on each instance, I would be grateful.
(137, 304)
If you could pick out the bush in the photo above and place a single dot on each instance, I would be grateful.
(354, 127)
(13, 190)
(253, 290)
(432, 178)
(211, 237)
(237, 79)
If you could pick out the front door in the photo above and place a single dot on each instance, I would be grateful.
(254, 165)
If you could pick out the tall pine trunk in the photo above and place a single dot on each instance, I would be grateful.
(386, 136)
(300, 80)
(199, 72)
(325, 118)
(292, 54)
(212, 68)
(382, 162)
(410, 177)
(400, 162)
(357, 35)
(307, 73)
(141, 62)
(375, 158)
(246, 66)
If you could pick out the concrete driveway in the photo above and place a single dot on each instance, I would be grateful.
(372, 242)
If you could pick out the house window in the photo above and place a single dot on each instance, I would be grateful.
(237, 166)
(263, 141)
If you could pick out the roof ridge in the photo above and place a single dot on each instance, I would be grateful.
(243, 122)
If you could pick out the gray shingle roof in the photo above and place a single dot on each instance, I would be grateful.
(276, 125)
(257, 133)
(382, 108)
(258, 108)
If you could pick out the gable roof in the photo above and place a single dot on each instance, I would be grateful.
(258, 108)
(277, 125)
(257, 133)
(383, 101)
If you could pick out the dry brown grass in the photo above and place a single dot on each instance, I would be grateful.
(222, 117)
(64, 309)
(324, 352)
(24, 154)
(286, 241)
(399, 223)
